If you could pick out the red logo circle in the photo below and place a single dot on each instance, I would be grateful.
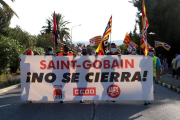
(113, 91)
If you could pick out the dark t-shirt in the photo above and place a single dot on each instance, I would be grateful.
(65, 54)
(49, 54)
(116, 53)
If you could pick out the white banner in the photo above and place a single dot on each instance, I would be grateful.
(49, 78)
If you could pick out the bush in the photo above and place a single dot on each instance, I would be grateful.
(9, 83)
(10, 52)
(39, 49)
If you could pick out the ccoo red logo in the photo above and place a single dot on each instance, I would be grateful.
(89, 91)
(113, 91)
(57, 93)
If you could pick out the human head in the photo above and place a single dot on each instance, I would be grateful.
(84, 51)
(50, 50)
(66, 48)
(113, 47)
(133, 50)
(29, 52)
(151, 51)
(70, 50)
(79, 51)
(36, 53)
(93, 52)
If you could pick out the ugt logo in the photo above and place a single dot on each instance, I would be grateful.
(57, 93)
(113, 91)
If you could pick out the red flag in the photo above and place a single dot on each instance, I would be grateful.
(55, 32)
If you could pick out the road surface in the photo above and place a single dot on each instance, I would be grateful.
(165, 107)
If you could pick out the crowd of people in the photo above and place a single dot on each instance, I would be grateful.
(67, 51)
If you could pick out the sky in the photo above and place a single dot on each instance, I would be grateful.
(92, 15)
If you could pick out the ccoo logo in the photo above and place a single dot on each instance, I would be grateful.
(57, 93)
(113, 91)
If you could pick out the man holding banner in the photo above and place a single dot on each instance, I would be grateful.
(156, 64)
(113, 50)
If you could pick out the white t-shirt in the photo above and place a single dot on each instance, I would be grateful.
(178, 59)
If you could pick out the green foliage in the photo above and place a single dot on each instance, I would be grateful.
(39, 49)
(45, 41)
(63, 31)
(163, 17)
(22, 37)
(10, 52)
(123, 49)
(9, 82)
(4, 23)
(5, 6)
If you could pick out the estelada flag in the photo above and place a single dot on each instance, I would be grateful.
(129, 43)
(104, 42)
(55, 32)
(95, 40)
(145, 25)
(163, 44)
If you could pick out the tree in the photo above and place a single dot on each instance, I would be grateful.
(63, 31)
(163, 17)
(4, 23)
(123, 49)
(6, 7)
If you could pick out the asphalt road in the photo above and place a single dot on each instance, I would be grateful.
(165, 107)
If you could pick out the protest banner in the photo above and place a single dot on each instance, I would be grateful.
(60, 78)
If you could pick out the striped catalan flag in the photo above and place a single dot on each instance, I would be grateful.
(95, 40)
(104, 42)
(163, 44)
(145, 25)
(61, 43)
(129, 43)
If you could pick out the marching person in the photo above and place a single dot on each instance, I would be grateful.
(65, 52)
(50, 51)
(173, 67)
(178, 65)
(133, 52)
(79, 52)
(70, 51)
(29, 52)
(84, 51)
(36, 54)
(156, 64)
(113, 50)
(93, 53)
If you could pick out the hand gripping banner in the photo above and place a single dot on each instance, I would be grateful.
(49, 78)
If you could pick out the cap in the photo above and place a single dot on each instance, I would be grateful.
(84, 47)
(29, 52)
(65, 46)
